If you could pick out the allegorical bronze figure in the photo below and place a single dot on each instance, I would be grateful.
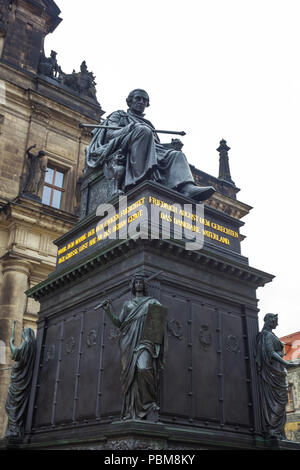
(142, 324)
(131, 135)
(273, 385)
(20, 382)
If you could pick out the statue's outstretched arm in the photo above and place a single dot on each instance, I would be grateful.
(106, 307)
(32, 147)
(278, 358)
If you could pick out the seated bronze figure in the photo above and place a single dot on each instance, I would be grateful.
(131, 135)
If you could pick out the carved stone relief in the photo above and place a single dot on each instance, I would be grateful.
(50, 352)
(91, 338)
(113, 334)
(175, 328)
(205, 337)
(70, 345)
(232, 344)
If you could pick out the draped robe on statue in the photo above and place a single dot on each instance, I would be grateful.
(147, 158)
(273, 384)
(138, 380)
(19, 387)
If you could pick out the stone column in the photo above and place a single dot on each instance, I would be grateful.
(12, 306)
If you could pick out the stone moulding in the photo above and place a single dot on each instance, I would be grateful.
(137, 435)
(239, 271)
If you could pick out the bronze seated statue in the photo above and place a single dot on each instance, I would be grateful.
(128, 146)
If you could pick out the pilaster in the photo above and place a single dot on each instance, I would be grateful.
(12, 306)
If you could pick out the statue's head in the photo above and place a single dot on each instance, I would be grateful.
(41, 153)
(138, 100)
(28, 334)
(138, 284)
(271, 320)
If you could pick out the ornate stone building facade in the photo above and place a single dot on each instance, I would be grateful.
(38, 200)
(42, 154)
(292, 346)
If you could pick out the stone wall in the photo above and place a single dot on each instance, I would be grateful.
(28, 227)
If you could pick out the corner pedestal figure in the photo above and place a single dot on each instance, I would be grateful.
(20, 382)
(273, 385)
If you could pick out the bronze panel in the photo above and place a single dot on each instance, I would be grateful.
(64, 400)
(47, 377)
(176, 386)
(87, 389)
(110, 384)
(236, 397)
(206, 362)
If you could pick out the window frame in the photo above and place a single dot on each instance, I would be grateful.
(290, 407)
(53, 187)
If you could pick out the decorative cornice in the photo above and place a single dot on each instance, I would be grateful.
(28, 211)
(229, 206)
(40, 112)
(202, 258)
(224, 199)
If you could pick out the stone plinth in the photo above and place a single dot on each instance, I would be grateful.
(208, 385)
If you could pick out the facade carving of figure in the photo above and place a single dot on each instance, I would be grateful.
(141, 358)
(35, 173)
(86, 81)
(48, 66)
(146, 157)
(82, 82)
(273, 384)
(20, 382)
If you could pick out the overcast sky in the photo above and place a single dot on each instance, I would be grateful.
(215, 69)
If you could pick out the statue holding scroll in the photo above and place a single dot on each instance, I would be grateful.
(142, 324)
(131, 137)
